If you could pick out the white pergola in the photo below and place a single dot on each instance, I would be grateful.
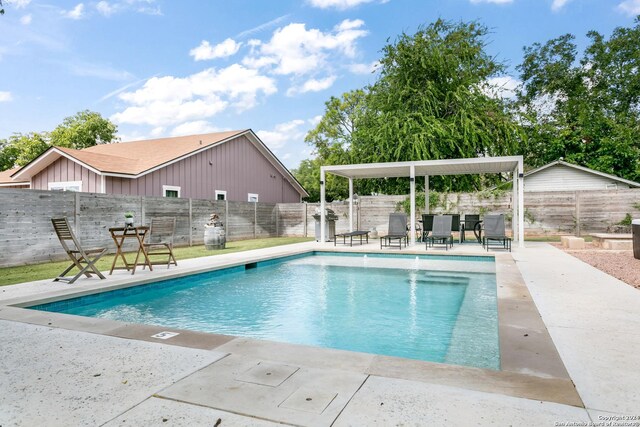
(426, 168)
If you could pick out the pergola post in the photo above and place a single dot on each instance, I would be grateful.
(350, 205)
(412, 186)
(426, 194)
(322, 203)
(520, 204)
(514, 204)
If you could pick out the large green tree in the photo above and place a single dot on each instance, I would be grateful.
(430, 101)
(85, 129)
(585, 107)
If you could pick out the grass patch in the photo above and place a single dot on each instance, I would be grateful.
(49, 270)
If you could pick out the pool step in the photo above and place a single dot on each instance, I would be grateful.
(442, 281)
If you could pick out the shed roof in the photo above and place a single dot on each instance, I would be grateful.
(5, 178)
(584, 169)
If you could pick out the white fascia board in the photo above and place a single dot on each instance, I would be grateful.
(53, 152)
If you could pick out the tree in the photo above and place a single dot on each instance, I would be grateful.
(583, 109)
(308, 174)
(1, 8)
(429, 102)
(83, 130)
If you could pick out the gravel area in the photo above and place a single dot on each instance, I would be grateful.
(619, 264)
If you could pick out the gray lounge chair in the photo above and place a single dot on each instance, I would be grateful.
(441, 232)
(494, 231)
(83, 259)
(397, 231)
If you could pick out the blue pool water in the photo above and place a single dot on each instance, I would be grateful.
(407, 306)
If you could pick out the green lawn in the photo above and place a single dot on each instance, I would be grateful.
(49, 270)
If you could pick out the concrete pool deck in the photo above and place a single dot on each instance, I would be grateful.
(66, 370)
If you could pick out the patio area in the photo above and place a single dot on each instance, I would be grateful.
(65, 370)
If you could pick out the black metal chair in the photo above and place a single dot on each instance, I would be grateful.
(427, 225)
(441, 232)
(470, 223)
(494, 231)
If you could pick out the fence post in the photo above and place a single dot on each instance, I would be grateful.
(304, 219)
(142, 210)
(277, 221)
(226, 217)
(255, 219)
(76, 214)
(190, 223)
(577, 212)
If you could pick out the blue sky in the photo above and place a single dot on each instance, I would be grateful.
(162, 68)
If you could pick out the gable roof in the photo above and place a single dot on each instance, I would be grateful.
(584, 169)
(138, 158)
(6, 180)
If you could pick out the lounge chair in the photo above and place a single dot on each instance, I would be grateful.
(83, 259)
(455, 225)
(427, 225)
(441, 232)
(397, 230)
(160, 240)
(494, 231)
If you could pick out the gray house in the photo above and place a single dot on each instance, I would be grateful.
(563, 176)
(234, 165)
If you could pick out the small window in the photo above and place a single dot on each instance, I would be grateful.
(170, 191)
(221, 195)
(252, 197)
(65, 186)
(612, 186)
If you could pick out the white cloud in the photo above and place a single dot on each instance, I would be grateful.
(558, 4)
(100, 71)
(172, 100)
(283, 133)
(194, 128)
(337, 4)
(630, 7)
(312, 85)
(313, 121)
(492, 1)
(75, 13)
(295, 50)
(5, 96)
(26, 19)
(105, 8)
(19, 4)
(206, 51)
(501, 87)
(363, 68)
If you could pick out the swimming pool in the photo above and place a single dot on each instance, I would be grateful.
(427, 307)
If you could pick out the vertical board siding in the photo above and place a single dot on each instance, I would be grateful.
(236, 167)
(64, 169)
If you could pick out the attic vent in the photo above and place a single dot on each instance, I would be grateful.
(200, 142)
(612, 186)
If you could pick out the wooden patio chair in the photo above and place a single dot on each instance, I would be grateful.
(161, 240)
(83, 259)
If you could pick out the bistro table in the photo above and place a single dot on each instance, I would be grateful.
(119, 235)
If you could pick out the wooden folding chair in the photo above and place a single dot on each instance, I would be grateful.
(83, 259)
(161, 240)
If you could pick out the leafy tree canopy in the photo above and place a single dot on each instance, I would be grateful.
(430, 101)
(85, 129)
(583, 108)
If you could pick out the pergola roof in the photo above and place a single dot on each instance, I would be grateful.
(477, 165)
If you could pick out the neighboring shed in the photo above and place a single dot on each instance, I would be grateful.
(7, 182)
(233, 165)
(563, 176)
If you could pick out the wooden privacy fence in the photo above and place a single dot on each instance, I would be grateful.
(26, 234)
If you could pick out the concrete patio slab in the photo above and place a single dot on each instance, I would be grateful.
(169, 413)
(217, 386)
(592, 318)
(56, 377)
(386, 402)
